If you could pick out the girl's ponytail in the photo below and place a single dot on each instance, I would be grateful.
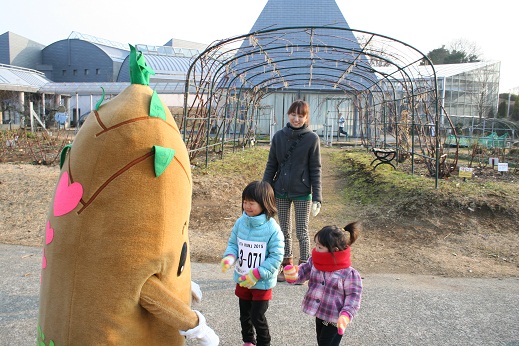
(353, 229)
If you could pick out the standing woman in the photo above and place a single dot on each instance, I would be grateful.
(294, 171)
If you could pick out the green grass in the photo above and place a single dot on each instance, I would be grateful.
(249, 163)
(377, 187)
(376, 190)
(408, 194)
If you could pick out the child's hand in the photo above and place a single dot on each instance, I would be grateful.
(291, 273)
(342, 323)
(250, 279)
(226, 262)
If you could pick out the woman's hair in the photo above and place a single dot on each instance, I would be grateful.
(336, 239)
(300, 107)
(261, 192)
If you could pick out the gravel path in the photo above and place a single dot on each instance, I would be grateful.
(396, 309)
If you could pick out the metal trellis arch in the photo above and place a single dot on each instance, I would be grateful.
(390, 85)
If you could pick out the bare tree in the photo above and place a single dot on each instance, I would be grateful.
(471, 50)
(484, 91)
(378, 51)
(459, 51)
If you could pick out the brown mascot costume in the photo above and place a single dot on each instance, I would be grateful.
(116, 267)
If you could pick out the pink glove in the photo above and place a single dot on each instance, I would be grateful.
(250, 279)
(291, 273)
(226, 262)
(342, 323)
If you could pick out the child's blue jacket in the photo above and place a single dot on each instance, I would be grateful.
(256, 242)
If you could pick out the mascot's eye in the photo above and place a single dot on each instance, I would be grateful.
(183, 256)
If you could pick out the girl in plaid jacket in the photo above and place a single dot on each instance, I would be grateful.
(334, 287)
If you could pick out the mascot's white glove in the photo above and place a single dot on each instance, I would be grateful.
(316, 208)
(202, 333)
(196, 292)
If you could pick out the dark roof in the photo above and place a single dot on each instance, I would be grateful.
(303, 44)
(286, 13)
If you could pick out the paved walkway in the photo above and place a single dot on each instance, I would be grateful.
(396, 309)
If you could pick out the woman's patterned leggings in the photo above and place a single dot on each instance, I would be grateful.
(302, 211)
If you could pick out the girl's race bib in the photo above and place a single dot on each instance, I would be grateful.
(250, 255)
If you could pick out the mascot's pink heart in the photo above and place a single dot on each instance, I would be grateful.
(49, 233)
(67, 196)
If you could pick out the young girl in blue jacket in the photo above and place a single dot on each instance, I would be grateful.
(256, 247)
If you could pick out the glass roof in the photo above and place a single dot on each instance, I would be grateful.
(110, 88)
(21, 79)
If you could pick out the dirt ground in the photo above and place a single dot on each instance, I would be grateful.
(434, 242)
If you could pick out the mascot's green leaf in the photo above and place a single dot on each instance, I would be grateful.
(64, 154)
(156, 107)
(139, 70)
(163, 157)
(98, 104)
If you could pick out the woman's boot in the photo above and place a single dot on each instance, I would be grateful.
(281, 275)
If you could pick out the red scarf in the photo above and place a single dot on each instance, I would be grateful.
(331, 261)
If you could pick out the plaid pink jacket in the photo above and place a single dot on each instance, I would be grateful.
(330, 293)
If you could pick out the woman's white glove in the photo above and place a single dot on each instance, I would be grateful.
(202, 333)
(196, 292)
(316, 208)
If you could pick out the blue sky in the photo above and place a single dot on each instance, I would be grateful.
(491, 26)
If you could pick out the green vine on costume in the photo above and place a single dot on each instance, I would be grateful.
(98, 104)
(41, 338)
(139, 70)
